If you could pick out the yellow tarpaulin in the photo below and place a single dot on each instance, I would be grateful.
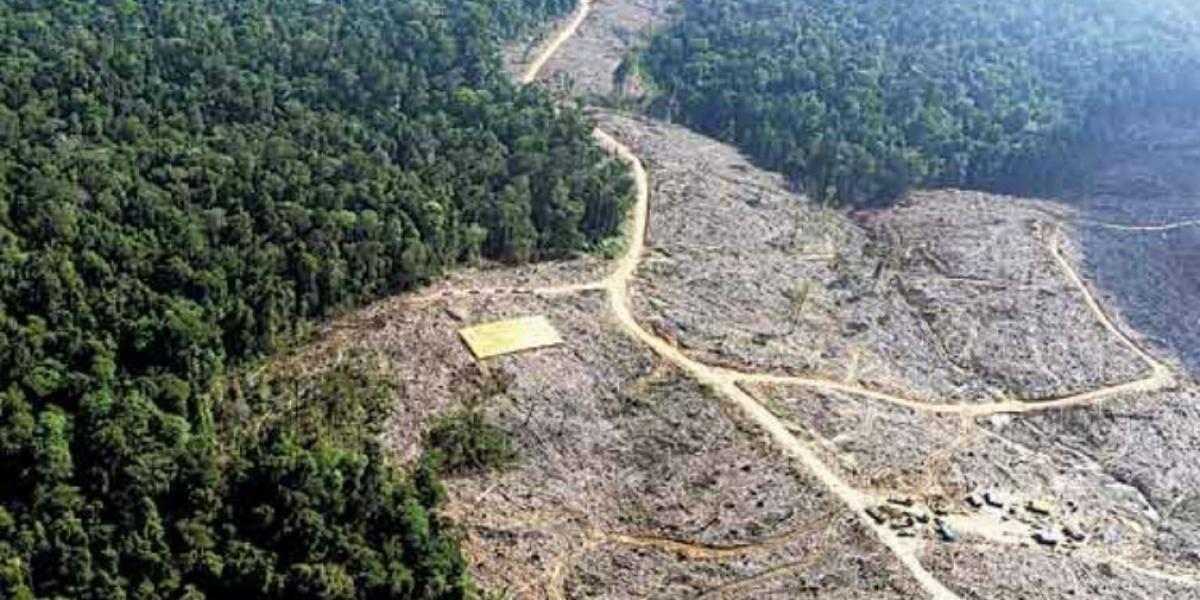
(506, 337)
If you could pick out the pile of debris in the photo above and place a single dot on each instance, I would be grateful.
(907, 517)
(910, 518)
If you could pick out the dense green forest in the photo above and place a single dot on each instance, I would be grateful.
(183, 185)
(859, 100)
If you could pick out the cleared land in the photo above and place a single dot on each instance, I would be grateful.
(783, 407)
(1141, 222)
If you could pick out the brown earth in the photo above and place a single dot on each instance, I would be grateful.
(738, 396)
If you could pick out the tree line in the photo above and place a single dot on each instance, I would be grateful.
(184, 185)
(857, 101)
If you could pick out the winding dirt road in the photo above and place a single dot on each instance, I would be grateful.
(727, 382)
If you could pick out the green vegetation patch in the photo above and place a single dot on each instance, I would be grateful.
(467, 442)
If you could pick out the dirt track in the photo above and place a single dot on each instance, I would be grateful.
(656, 467)
(1141, 230)
(727, 382)
(1160, 376)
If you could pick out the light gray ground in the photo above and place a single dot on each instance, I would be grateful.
(635, 482)
(584, 68)
(982, 572)
(950, 296)
(615, 445)
(1123, 473)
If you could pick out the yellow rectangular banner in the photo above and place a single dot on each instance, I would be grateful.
(506, 337)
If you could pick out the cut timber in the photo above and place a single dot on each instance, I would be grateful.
(506, 337)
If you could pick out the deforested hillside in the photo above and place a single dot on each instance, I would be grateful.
(184, 186)
(860, 100)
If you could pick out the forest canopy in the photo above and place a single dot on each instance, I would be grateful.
(183, 185)
(859, 100)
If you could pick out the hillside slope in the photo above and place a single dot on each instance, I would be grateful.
(684, 442)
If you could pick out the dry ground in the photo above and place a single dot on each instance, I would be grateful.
(1123, 474)
(950, 296)
(634, 481)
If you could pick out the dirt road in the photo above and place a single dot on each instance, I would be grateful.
(617, 286)
(551, 48)
(727, 383)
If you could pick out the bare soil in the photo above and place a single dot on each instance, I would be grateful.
(1122, 473)
(629, 473)
(981, 572)
(946, 348)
